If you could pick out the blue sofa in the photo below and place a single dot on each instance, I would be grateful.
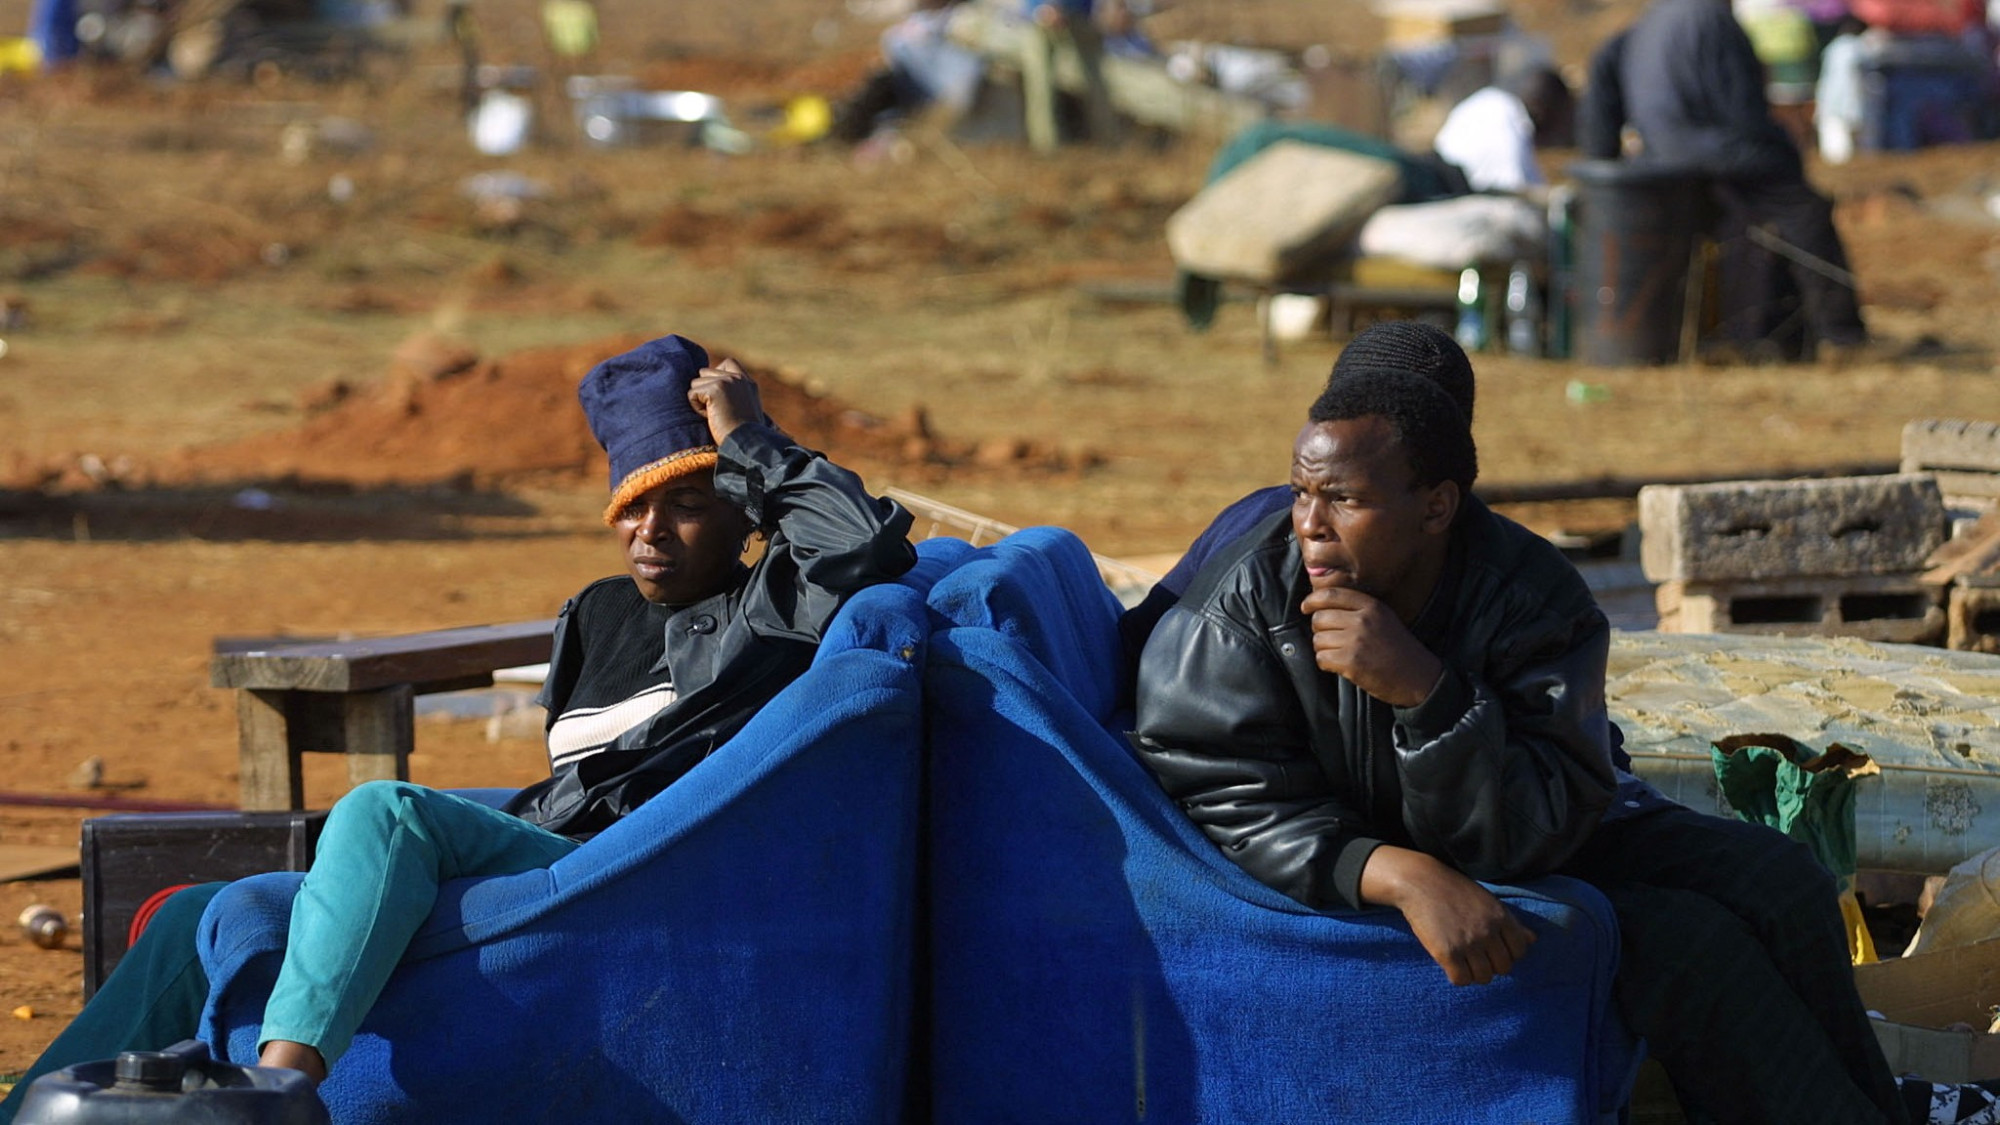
(809, 928)
(738, 949)
(1093, 957)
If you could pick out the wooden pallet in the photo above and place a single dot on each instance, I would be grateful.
(1895, 608)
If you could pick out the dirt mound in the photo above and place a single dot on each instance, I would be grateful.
(445, 415)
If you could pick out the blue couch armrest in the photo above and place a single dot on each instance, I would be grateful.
(1041, 587)
(740, 947)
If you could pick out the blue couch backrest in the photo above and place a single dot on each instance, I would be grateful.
(1041, 587)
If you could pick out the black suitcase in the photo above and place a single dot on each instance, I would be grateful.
(128, 860)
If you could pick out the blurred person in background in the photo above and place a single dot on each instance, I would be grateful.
(1685, 83)
(1492, 135)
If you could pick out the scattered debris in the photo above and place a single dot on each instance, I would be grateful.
(44, 926)
(331, 136)
(427, 357)
(88, 774)
(501, 124)
(500, 199)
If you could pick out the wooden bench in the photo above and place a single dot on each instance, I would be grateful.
(354, 698)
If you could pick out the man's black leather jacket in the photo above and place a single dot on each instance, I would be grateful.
(1502, 772)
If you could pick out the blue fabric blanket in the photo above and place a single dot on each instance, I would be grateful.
(1095, 958)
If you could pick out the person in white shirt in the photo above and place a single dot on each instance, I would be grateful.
(1837, 101)
(1491, 136)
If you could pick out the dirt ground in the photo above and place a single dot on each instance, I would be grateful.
(252, 389)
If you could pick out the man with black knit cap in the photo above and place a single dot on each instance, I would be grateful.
(651, 671)
(1401, 345)
(1389, 693)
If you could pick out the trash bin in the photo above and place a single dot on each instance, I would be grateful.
(1633, 234)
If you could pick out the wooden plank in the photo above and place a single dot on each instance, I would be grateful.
(443, 656)
(1611, 488)
(379, 734)
(268, 766)
(108, 801)
(1400, 296)
(1127, 579)
(1973, 551)
(1966, 483)
(34, 861)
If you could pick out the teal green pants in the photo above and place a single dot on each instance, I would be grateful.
(385, 848)
(153, 999)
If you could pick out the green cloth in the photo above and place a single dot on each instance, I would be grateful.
(1776, 781)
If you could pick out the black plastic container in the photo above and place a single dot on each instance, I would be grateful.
(182, 1085)
(1633, 238)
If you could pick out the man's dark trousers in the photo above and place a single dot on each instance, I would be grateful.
(1735, 968)
(1766, 296)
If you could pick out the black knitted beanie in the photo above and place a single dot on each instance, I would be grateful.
(1411, 348)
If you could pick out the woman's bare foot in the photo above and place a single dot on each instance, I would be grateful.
(293, 1056)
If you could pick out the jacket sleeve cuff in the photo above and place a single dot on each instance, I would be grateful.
(753, 455)
(1450, 698)
(1347, 869)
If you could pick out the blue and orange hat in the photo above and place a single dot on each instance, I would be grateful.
(637, 405)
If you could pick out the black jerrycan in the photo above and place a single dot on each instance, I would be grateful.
(181, 1085)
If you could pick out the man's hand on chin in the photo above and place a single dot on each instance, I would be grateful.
(1360, 639)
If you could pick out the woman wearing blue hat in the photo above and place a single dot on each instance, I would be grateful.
(696, 467)
(651, 670)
